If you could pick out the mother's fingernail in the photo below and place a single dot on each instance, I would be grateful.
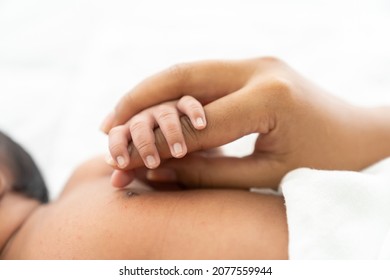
(107, 122)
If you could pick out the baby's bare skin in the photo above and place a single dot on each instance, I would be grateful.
(92, 220)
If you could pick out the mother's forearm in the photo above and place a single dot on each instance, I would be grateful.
(373, 133)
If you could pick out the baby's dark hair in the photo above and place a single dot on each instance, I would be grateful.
(27, 178)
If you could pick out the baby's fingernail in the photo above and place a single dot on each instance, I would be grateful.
(161, 175)
(151, 161)
(200, 123)
(177, 149)
(110, 160)
(121, 162)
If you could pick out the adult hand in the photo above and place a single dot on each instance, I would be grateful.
(299, 124)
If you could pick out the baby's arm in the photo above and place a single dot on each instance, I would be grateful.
(140, 131)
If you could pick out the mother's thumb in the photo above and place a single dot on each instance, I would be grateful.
(198, 171)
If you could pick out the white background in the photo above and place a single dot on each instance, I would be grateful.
(64, 64)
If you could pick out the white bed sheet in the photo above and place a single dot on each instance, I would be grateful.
(64, 64)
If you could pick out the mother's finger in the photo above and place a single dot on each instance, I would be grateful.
(198, 171)
(206, 81)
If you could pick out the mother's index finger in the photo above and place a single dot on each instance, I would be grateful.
(228, 118)
(205, 80)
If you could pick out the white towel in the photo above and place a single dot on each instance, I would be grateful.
(338, 214)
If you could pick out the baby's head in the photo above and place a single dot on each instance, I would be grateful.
(18, 171)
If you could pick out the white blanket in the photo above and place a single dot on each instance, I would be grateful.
(338, 214)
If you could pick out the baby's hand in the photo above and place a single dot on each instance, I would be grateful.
(139, 130)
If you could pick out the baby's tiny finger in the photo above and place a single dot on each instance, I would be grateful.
(110, 161)
(194, 110)
(167, 118)
(118, 141)
(141, 129)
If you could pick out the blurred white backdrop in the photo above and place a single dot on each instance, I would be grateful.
(64, 64)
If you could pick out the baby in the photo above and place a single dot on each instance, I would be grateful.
(139, 131)
(91, 220)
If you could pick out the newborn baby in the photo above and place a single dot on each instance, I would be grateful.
(92, 220)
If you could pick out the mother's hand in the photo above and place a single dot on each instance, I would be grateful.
(299, 124)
